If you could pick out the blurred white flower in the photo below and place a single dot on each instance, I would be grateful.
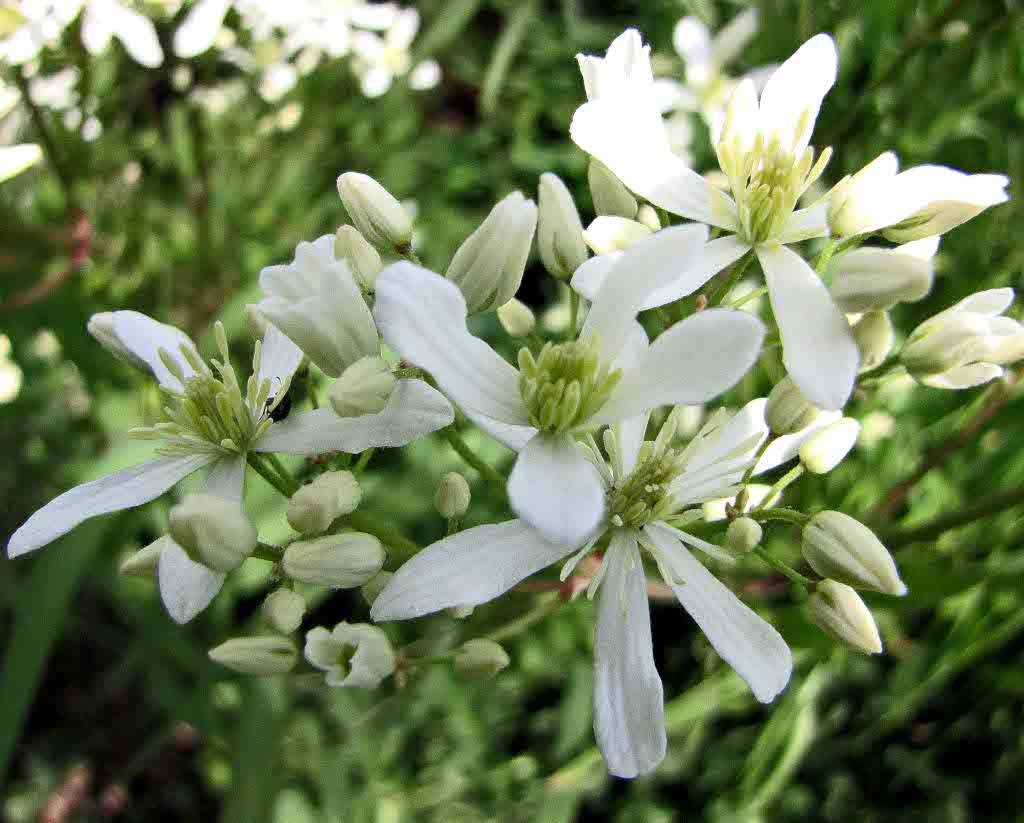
(382, 58)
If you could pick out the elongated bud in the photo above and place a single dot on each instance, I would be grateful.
(788, 411)
(517, 318)
(283, 609)
(256, 655)
(145, 561)
(362, 258)
(375, 586)
(255, 321)
(647, 216)
(838, 611)
(875, 339)
(837, 546)
(380, 218)
(610, 234)
(853, 208)
(869, 279)
(352, 655)
(826, 448)
(610, 196)
(489, 265)
(480, 658)
(559, 230)
(742, 536)
(363, 388)
(316, 505)
(213, 531)
(342, 561)
(101, 327)
(452, 496)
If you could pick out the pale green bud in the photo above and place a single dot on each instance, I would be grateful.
(375, 586)
(380, 218)
(742, 536)
(342, 561)
(610, 196)
(837, 546)
(316, 505)
(144, 562)
(839, 612)
(610, 234)
(869, 279)
(874, 336)
(255, 321)
(647, 216)
(559, 230)
(213, 531)
(826, 448)
(363, 388)
(452, 496)
(489, 265)
(788, 411)
(517, 318)
(480, 658)
(256, 655)
(101, 327)
(283, 609)
(362, 258)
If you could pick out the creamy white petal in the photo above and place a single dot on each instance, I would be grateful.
(741, 428)
(200, 28)
(805, 224)
(589, 277)
(783, 449)
(555, 489)
(121, 490)
(414, 409)
(466, 569)
(990, 302)
(227, 478)
(817, 345)
(186, 587)
(629, 712)
(144, 337)
(730, 41)
(279, 358)
(965, 377)
(713, 258)
(692, 41)
(138, 35)
(515, 437)
(630, 433)
(15, 159)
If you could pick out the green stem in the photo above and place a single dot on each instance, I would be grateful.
(364, 460)
(783, 515)
(778, 565)
(402, 547)
(487, 472)
(776, 491)
(731, 280)
(283, 472)
(266, 551)
(544, 606)
(826, 255)
(993, 504)
(574, 310)
(739, 301)
(265, 472)
(42, 126)
(757, 456)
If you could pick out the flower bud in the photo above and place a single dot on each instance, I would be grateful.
(839, 612)
(316, 505)
(610, 196)
(452, 496)
(213, 531)
(283, 609)
(380, 218)
(101, 327)
(826, 448)
(363, 388)
(489, 265)
(255, 321)
(517, 318)
(375, 586)
(342, 561)
(852, 207)
(256, 655)
(788, 411)
(559, 230)
(362, 258)
(874, 336)
(837, 546)
(869, 279)
(647, 216)
(742, 536)
(144, 562)
(610, 234)
(352, 655)
(480, 658)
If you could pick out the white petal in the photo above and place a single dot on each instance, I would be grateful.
(805, 224)
(555, 489)
(138, 36)
(144, 337)
(96, 31)
(279, 358)
(588, 277)
(713, 258)
(423, 317)
(990, 302)
(200, 28)
(692, 41)
(739, 429)
(227, 478)
(629, 712)
(817, 345)
(694, 361)
(630, 433)
(515, 437)
(965, 377)
(742, 639)
(118, 491)
(732, 39)
(783, 449)
(466, 569)
(414, 409)
(15, 159)
(186, 587)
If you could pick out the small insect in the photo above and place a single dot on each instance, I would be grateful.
(281, 410)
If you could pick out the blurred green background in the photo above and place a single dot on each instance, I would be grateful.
(173, 210)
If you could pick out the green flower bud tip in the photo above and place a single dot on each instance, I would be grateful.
(559, 230)
(788, 411)
(838, 611)
(341, 561)
(284, 609)
(363, 388)
(256, 655)
(517, 319)
(365, 262)
(452, 496)
(480, 658)
(839, 547)
(826, 448)
(874, 336)
(742, 536)
(314, 507)
(610, 196)
(378, 216)
(213, 531)
(144, 562)
(375, 586)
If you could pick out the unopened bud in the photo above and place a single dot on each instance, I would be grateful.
(375, 586)
(213, 531)
(647, 216)
(255, 321)
(517, 318)
(380, 218)
(452, 496)
(874, 336)
(826, 448)
(480, 658)
(316, 505)
(788, 411)
(610, 196)
(256, 655)
(101, 327)
(489, 265)
(839, 612)
(362, 258)
(363, 388)
(145, 561)
(837, 546)
(283, 609)
(742, 536)
(559, 230)
(610, 234)
(870, 279)
(342, 561)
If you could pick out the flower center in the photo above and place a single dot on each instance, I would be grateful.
(565, 385)
(644, 494)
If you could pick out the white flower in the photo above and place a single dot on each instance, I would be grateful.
(220, 443)
(353, 655)
(609, 374)
(381, 59)
(104, 19)
(869, 279)
(764, 151)
(15, 159)
(43, 23)
(199, 30)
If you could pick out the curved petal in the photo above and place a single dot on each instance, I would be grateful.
(279, 358)
(515, 437)
(227, 478)
(965, 377)
(138, 36)
(817, 345)
(629, 712)
(589, 277)
(713, 258)
(118, 491)
(804, 224)
(466, 569)
(186, 587)
(783, 449)
(693, 362)
(422, 316)
(555, 489)
(630, 434)
(144, 337)
(200, 28)
(414, 409)
(730, 41)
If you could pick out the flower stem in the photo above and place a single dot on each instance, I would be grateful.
(544, 606)
(364, 460)
(776, 491)
(739, 301)
(402, 547)
(284, 473)
(43, 127)
(778, 565)
(784, 515)
(826, 255)
(574, 311)
(265, 472)
(731, 280)
(487, 472)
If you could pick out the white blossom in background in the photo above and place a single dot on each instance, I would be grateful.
(42, 24)
(382, 58)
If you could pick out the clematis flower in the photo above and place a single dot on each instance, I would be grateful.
(214, 423)
(609, 374)
(763, 150)
(382, 58)
(106, 19)
(352, 655)
(15, 159)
